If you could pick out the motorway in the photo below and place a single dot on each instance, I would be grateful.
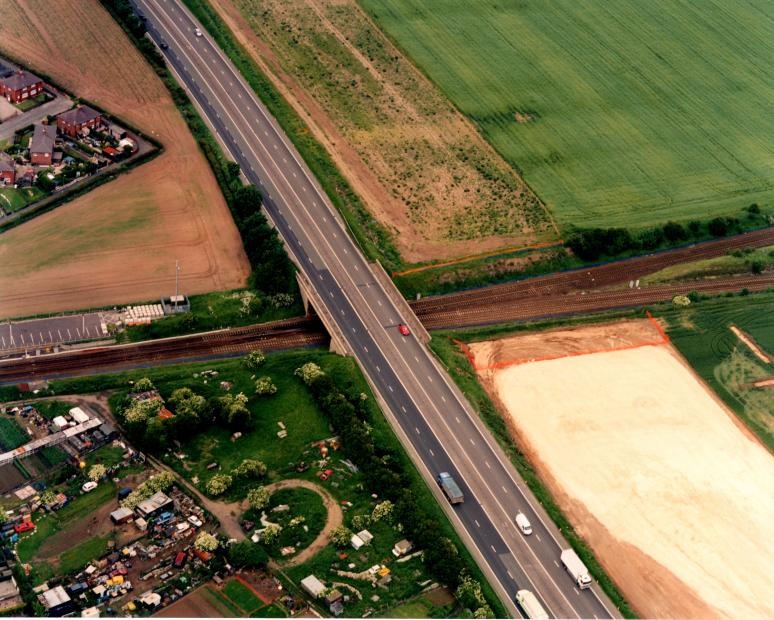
(430, 415)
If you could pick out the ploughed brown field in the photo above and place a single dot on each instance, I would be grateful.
(118, 243)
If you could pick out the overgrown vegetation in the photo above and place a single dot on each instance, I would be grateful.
(590, 244)
(373, 238)
(626, 123)
(11, 434)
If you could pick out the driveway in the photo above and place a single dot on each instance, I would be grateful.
(56, 106)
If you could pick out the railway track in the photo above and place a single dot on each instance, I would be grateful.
(574, 292)
(587, 278)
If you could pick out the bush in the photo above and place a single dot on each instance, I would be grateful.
(246, 554)
(674, 232)
(97, 472)
(249, 468)
(718, 227)
(206, 542)
(143, 385)
(254, 360)
(271, 534)
(756, 267)
(258, 498)
(219, 484)
(309, 373)
(340, 536)
(159, 482)
(265, 387)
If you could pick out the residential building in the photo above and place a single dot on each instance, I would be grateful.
(7, 170)
(42, 145)
(20, 86)
(77, 120)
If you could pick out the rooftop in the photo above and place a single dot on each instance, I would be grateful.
(42, 139)
(53, 597)
(20, 79)
(153, 503)
(6, 163)
(78, 116)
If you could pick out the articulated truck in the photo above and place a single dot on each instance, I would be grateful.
(530, 605)
(577, 569)
(450, 488)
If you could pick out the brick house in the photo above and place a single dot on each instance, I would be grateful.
(42, 145)
(76, 120)
(20, 86)
(7, 170)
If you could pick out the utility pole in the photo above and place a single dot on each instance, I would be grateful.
(177, 282)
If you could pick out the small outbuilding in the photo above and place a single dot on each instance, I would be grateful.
(356, 542)
(79, 415)
(313, 586)
(365, 536)
(56, 602)
(60, 422)
(153, 505)
(401, 548)
(122, 515)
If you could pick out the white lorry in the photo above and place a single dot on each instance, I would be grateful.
(530, 605)
(577, 569)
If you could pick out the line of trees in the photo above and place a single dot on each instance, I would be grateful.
(385, 475)
(593, 243)
(272, 271)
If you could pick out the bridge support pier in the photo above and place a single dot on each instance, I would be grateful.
(311, 300)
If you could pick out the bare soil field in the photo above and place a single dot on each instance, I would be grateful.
(667, 486)
(199, 604)
(118, 243)
(420, 166)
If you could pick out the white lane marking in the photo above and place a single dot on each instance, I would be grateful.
(476, 522)
(417, 430)
(390, 388)
(443, 398)
(378, 369)
(431, 452)
(488, 466)
(456, 418)
(284, 140)
(538, 537)
(365, 349)
(509, 575)
(504, 489)
(472, 443)
(493, 549)
(429, 378)
(557, 563)
(577, 592)
(403, 408)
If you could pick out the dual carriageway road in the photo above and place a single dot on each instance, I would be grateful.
(429, 414)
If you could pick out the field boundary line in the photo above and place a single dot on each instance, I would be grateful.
(466, 259)
(252, 589)
(664, 340)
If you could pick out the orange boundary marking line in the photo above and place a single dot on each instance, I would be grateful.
(466, 259)
(504, 364)
(253, 590)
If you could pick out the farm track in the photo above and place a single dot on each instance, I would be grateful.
(574, 292)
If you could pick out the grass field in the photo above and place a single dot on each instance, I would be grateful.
(242, 596)
(701, 333)
(737, 262)
(11, 434)
(419, 165)
(14, 199)
(294, 406)
(624, 115)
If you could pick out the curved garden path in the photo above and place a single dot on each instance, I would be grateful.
(335, 518)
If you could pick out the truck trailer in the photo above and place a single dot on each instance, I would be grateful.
(577, 569)
(450, 488)
(530, 605)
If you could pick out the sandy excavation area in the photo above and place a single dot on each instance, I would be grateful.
(673, 494)
(118, 243)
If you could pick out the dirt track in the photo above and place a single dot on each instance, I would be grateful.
(666, 485)
(118, 243)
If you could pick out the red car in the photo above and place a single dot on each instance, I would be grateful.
(23, 527)
(403, 329)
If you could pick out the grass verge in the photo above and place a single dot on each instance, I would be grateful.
(458, 366)
(373, 238)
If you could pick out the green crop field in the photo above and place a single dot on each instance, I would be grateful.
(619, 114)
(701, 332)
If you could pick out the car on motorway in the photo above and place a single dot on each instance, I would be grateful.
(403, 329)
(198, 32)
(523, 523)
(163, 44)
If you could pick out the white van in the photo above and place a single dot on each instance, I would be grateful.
(523, 523)
(89, 486)
(530, 605)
